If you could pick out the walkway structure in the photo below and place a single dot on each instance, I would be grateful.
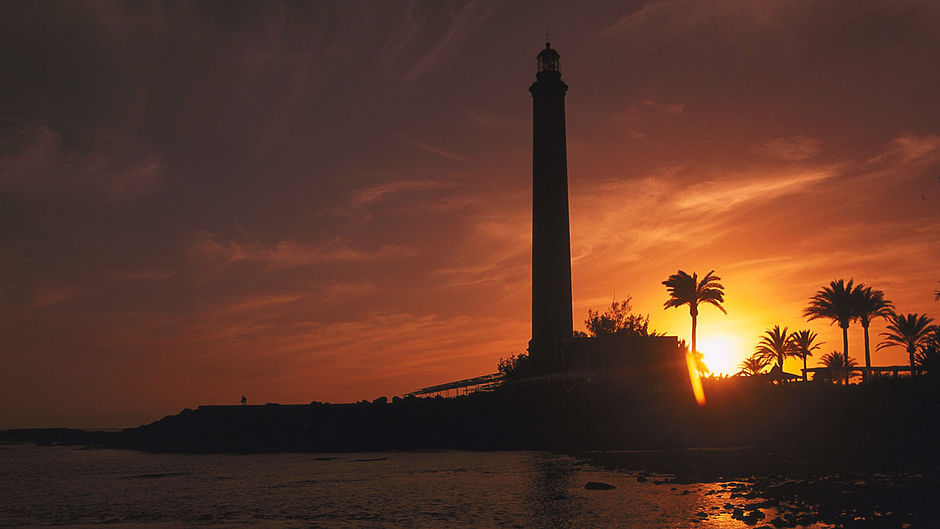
(894, 371)
(461, 387)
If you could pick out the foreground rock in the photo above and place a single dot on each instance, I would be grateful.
(597, 485)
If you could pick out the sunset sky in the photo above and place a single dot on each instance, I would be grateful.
(331, 201)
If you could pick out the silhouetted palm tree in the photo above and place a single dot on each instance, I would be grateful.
(753, 365)
(870, 304)
(837, 303)
(928, 355)
(909, 331)
(804, 342)
(837, 362)
(697, 357)
(700, 365)
(688, 290)
(775, 345)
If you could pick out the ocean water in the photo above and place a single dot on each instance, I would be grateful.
(75, 488)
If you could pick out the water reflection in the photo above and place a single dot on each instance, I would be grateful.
(59, 486)
(548, 494)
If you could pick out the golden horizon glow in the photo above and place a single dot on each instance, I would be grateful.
(721, 353)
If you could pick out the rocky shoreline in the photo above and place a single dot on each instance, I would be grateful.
(769, 493)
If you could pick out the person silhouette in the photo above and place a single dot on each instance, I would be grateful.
(244, 400)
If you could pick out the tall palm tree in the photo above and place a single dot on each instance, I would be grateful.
(804, 342)
(753, 365)
(775, 345)
(688, 290)
(835, 302)
(909, 331)
(870, 304)
(836, 362)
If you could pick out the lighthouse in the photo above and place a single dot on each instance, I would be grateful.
(551, 240)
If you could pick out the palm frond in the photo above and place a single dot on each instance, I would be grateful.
(870, 304)
(835, 301)
(835, 360)
(753, 365)
(907, 330)
(681, 288)
(717, 303)
(685, 289)
(804, 342)
(775, 345)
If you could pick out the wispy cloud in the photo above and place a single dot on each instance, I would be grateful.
(793, 148)
(643, 113)
(458, 25)
(38, 162)
(647, 109)
(735, 190)
(657, 20)
(376, 193)
(345, 290)
(444, 153)
(152, 274)
(407, 343)
(53, 293)
(909, 149)
(497, 122)
(494, 251)
(252, 304)
(286, 253)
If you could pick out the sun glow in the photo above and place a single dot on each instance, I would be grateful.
(722, 353)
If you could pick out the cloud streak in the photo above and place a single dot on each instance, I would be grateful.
(205, 247)
(38, 163)
(377, 193)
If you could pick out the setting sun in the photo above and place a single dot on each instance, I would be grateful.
(722, 353)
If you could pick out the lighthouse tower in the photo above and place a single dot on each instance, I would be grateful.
(551, 244)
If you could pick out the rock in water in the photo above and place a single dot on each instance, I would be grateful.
(597, 485)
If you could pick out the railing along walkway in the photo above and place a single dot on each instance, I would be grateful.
(894, 371)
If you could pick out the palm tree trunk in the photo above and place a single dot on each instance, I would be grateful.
(845, 350)
(804, 367)
(910, 353)
(695, 321)
(867, 354)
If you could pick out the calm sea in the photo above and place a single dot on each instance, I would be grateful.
(72, 488)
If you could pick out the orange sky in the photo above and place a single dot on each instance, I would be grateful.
(332, 201)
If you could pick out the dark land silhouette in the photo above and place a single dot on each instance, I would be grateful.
(862, 455)
(885, 425)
